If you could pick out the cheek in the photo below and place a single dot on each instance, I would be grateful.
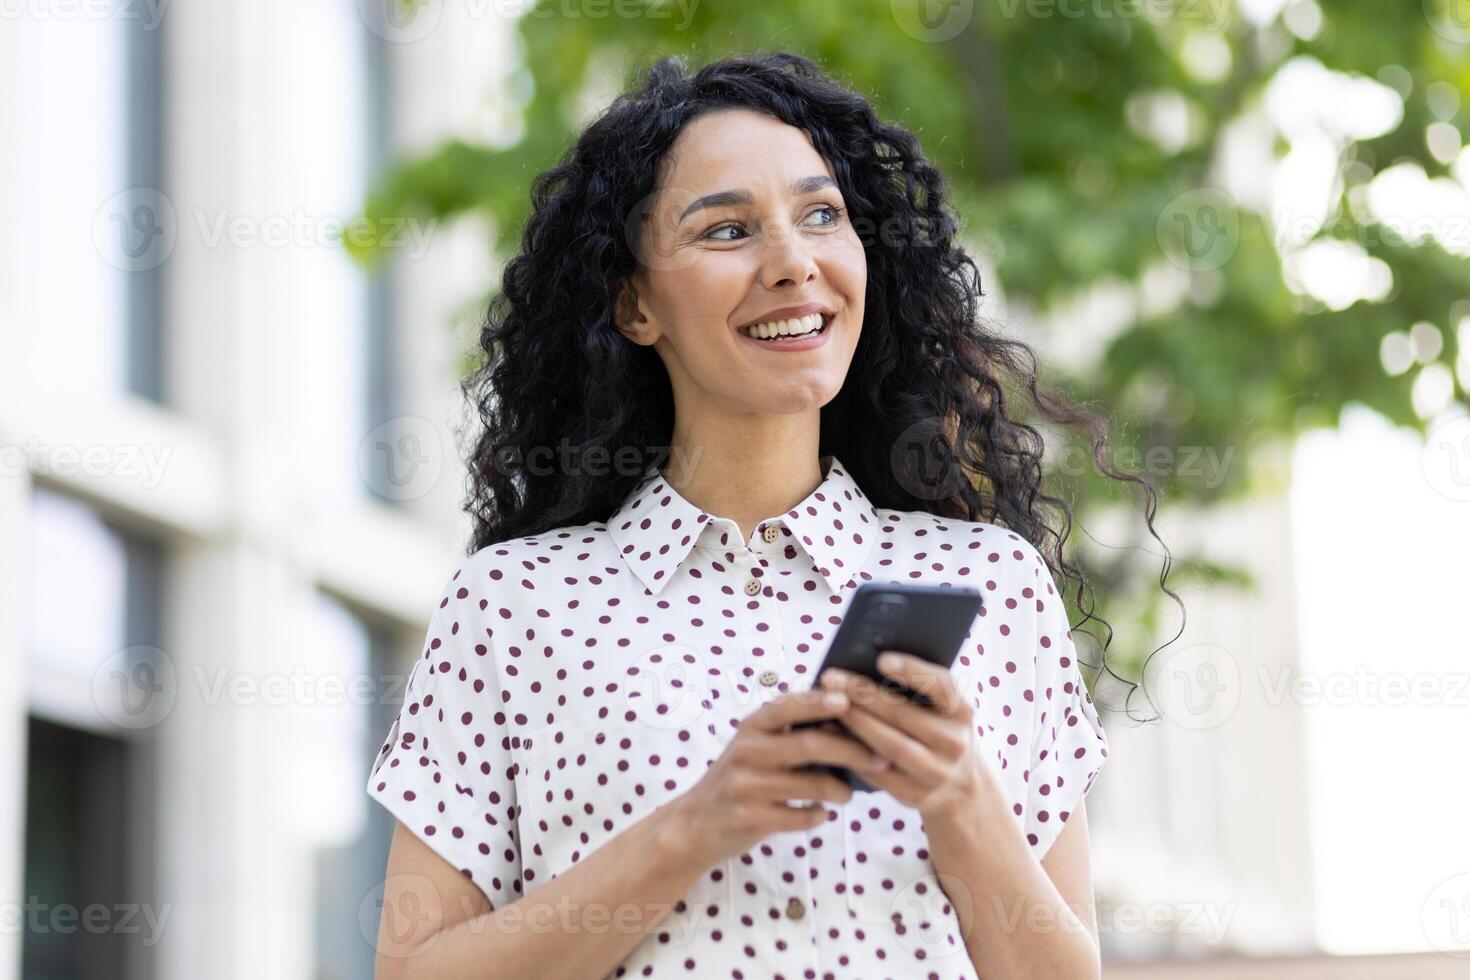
(847, 269)
(699, 298)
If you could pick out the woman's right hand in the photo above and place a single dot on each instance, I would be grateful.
(741, 799)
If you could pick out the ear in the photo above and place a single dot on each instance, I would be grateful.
(628, 314)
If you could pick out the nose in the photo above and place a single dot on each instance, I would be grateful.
(787, 261)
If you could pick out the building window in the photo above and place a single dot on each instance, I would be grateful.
(93, 611)
(341, 735)
(143, 326)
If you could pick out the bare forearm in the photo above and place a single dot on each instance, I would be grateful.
(582, 923)
(1015, 922)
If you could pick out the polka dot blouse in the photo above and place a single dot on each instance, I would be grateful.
(574, 681)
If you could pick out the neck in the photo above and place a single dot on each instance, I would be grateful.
(746, 469)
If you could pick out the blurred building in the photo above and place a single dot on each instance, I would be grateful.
(229, 490)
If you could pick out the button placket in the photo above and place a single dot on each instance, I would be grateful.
(781, 881)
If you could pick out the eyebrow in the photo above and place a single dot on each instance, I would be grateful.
(799, 187)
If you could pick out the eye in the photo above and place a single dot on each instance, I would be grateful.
(834, 210)
(711, 234)
(714, 234)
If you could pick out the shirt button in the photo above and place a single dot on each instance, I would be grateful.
(794, 909)
(753, 586)
(769, 677)
(772, 533)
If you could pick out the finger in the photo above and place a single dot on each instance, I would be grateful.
(906, 753)
(798, 706)
(782, 817)
(782, 786)
(931, 680)
(921, 723)
(815, 745)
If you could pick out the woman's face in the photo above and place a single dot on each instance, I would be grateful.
(746, 225)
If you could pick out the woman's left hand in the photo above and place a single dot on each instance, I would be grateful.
(936, 764)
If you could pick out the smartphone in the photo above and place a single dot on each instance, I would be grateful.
(929, 621)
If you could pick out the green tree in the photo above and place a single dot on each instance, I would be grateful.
(1085, 141)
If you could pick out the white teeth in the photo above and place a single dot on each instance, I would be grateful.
(786, 328)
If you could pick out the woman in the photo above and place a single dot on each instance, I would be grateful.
(735, 373)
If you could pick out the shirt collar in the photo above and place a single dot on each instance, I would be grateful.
(655, 528)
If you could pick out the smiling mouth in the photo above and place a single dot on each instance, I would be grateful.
(799, 328)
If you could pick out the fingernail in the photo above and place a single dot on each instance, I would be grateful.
(834, 698)
(876, 765)
(889, 661)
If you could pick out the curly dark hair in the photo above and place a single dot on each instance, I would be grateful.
(558, 376)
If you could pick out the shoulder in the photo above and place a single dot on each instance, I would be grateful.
(558, 549)
(987, 550)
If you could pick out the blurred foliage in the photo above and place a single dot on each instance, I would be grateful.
(1038, 113)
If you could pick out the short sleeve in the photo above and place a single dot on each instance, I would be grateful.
(445, 771)
(1069, 744)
